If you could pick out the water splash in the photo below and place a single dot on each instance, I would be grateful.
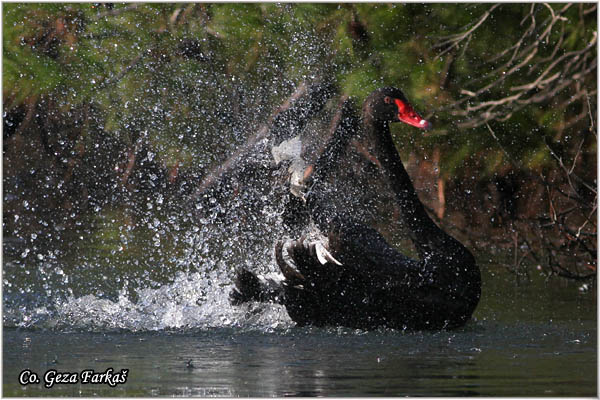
(191, 302)
(169, 271)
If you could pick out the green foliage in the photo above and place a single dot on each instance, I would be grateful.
(174, 74)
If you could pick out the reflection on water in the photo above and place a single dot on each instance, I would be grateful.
(110, 296)
(531, 340)
(483, 359)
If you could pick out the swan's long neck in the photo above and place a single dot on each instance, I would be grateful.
(427, 237)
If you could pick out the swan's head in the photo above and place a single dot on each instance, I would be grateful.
(390, 104)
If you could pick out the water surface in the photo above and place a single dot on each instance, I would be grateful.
(527, 339)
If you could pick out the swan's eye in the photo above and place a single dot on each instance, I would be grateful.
(387, 100)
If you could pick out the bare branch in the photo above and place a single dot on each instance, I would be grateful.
(453, 41)
(590, 10)
(559, 70)
(589, 107)
(508, 156)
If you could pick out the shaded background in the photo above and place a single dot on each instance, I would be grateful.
(113, 114)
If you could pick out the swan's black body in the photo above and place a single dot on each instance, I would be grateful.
(375, 285)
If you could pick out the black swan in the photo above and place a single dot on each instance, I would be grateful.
(353, 277)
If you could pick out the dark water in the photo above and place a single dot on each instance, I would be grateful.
(527, 339)
(150, 296)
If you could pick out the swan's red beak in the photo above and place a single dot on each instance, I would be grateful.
(409, 116)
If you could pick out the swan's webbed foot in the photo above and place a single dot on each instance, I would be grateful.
(249, 287)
